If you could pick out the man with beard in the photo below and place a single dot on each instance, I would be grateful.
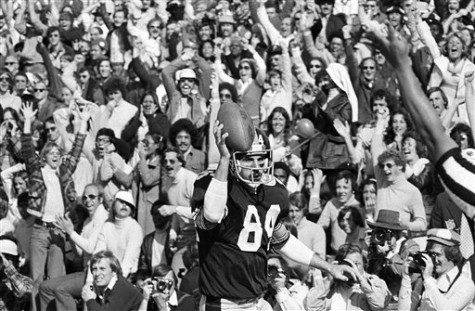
(182, 136)
(179, 198)
(187, 99)
(63, 291)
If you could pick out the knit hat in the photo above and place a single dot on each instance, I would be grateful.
(444, 236)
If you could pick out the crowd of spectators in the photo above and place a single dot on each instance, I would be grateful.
(107, 111)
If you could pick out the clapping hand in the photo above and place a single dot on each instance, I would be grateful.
(65, 224)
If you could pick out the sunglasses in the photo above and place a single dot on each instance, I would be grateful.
(10, 63)
(155, 27)
(90, 197)
(225, 95)
(388, 165)
(244, 67)
(3, 78)
(368, 67)
(315, 66)
(40, 90)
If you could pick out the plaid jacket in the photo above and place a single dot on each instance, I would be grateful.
(37, 187)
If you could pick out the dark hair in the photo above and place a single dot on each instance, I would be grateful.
(114, 262)
(182, 125)
(346, 175)
(115, 83)
(6, 72)
(23, 175)
(442, 94)
(50, 31)
(231, 89)
(288, 123)
(391, 154)
(179, 155)
(154, 98)
(460, 128)
(390, 135)
(200, 48)
(355, 213)
(106, 132)
(283, 166)
(347, 249)
(159, 140)
(421, 148)
(3, 204)
(153, 20)
(298, 199)
(321, 60)
(13, 112)
(162, 270)
(364, 183)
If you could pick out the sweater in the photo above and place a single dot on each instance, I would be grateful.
(123, 238)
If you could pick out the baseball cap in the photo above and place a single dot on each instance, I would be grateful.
(187, 73)
(444, 236)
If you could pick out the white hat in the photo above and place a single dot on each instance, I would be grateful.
(8, 247)
(187, 73)
(126, 197)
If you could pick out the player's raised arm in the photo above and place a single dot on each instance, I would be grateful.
(396, 50)
(217, 192)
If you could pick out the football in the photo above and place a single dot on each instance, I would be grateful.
(238, 124)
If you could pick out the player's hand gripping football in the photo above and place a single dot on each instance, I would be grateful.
(340, 272)
(221, 140)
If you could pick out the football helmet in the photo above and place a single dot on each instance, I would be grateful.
(254, 166)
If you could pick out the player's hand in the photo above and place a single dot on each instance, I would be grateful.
(338, 272)
(390, 42)
(221, 140)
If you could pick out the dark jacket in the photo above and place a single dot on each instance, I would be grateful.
(123, 296)
(37, 190)
(145, 260)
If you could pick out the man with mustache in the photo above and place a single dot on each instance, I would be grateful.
(182, 136)
(179, 198)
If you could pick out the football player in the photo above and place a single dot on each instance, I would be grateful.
(237, 215)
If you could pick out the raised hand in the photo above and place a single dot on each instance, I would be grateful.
(393, 46)
(27, 111)
(342, 129)
(221, 140)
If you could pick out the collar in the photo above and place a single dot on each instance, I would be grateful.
(179, 175)
(448, 276)
(188, 152)
(173, 300)
(109, 287)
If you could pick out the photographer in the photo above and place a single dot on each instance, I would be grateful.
(445, 287)
(15, 288)
(160, 293)
(367, 292)
(284, 293)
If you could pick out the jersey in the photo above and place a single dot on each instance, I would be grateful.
(456, 170)
(233, 253)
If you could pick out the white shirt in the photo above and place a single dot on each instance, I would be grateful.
(54, 204)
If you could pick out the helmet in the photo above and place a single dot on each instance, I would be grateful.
(254, 166)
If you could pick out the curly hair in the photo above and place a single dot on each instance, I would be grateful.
(390, 134)
(182, 125)
(115, 83)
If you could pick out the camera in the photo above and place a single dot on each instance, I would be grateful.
(160, 285)
(274, 271)
(380, 236)
(417, 265)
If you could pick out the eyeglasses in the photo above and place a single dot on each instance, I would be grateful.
(388, 165)
(10, 63)
(39, 90)
(90, 197)
(225, 95)
(368, 67)
(244, 67)
(51, 129)
(3, 78)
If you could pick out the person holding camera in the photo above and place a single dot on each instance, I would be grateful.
(160, 292)
(444, 286)
(366, 292)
